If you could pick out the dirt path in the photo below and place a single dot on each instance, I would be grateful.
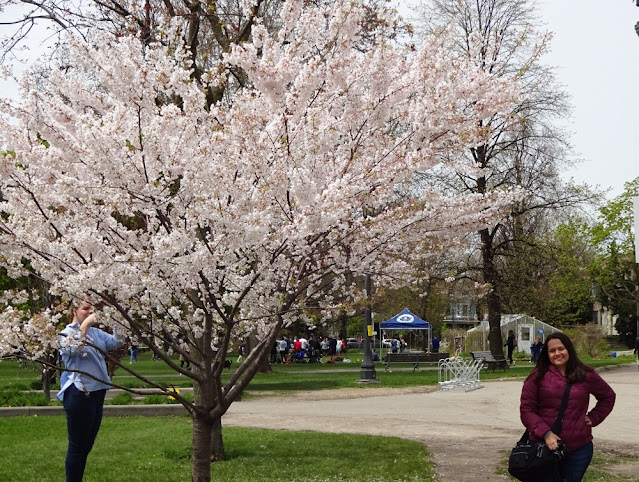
(468, 433)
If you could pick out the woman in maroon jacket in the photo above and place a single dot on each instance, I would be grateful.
(541, 397)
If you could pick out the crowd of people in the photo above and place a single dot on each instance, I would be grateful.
(311, 350)
(319, 349)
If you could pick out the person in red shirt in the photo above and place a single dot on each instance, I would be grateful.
(541, 396)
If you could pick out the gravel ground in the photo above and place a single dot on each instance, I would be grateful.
(468, 433)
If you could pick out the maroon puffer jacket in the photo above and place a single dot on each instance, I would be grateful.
(540, 405)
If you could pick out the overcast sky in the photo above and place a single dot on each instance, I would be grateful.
(596, 54)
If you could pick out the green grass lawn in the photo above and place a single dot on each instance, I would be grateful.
(145, 449)
(284, 378)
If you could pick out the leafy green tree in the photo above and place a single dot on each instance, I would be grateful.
(547, 277)
(570, 285)
(615, 270)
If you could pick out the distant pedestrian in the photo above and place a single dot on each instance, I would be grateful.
(394, 345)
(289, 346)
(133, 350)
(315, 349)
(184, 355)
(637, 350)
(332, 347)
(283, 348)
(325, 346)
(535, 350)
(435, 343)
(511, 343)
(240, 351)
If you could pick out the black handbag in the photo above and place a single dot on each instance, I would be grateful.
(532, 461)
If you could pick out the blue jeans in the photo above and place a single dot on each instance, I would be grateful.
(84, 416)
(574, 466)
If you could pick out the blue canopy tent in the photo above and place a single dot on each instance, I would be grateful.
(405, 321)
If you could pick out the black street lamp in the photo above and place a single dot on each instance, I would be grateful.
(368, 374)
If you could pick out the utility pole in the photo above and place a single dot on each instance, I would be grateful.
(368, 373)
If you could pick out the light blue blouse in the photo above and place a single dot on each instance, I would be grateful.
(86, 359)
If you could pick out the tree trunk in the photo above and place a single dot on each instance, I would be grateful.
(46, 382)
(202, 439)
(251, 344)
(204, 395)
(493, 301)
(494, 323)
(217, 444)
(265, 366)
(49, 374)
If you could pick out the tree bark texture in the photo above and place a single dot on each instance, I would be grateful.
(202, 439)
(493, 301)
(217, 444)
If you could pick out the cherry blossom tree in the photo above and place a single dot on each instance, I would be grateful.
(206, 222)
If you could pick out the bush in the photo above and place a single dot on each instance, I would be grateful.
(589, 340)
(162, 399)
(154, 400)
(36, 385)
(18, 386)
(12, 397)
(122, 399)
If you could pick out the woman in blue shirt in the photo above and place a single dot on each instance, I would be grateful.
(84, 384)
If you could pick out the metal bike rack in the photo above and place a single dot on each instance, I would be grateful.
(459, 373)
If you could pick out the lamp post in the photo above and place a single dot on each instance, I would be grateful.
(367, 374)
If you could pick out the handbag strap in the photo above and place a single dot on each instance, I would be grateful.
(556, 428)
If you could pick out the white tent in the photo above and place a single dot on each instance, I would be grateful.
(526, 329)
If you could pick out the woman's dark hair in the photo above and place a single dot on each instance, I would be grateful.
(575, 368)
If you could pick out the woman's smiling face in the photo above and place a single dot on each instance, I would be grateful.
(558, 354)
